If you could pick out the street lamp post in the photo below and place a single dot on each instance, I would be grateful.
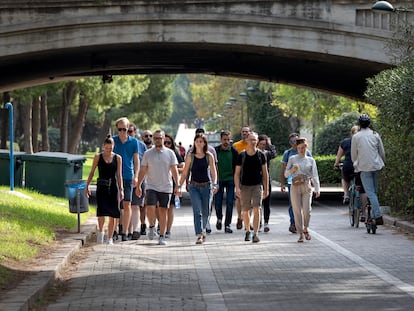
(386, 7)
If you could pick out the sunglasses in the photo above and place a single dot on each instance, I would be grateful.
(167, 143)
(122, 129)
(131, 131)
(148, 136)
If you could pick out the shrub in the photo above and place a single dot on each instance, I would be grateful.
(392, 90)
(329, 138)
(327, 175)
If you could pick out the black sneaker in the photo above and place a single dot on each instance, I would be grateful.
(239, 223)
(292, 228)
(247, 236)
(124, 237)
(218, 224)
(255, 238)
(135, 235)
(208, 228)
(143, 229)
(228, 230)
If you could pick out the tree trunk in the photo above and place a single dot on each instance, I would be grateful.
(35, 123)
(68, 94)
(44, 122)
(76, 134)
(105, 129)
(27, 127)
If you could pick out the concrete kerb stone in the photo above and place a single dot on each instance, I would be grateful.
(400, 224)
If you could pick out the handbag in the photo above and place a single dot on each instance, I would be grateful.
(299, 179)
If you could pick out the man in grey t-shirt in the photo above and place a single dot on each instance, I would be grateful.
(159, 164)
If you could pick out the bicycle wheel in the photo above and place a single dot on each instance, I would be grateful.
(357, 211)
(351, 206)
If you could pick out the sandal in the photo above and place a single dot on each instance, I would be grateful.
(199, 240)
(300, 239)
(307, 235)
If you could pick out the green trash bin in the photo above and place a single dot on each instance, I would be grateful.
(5, 168)
(47, 172)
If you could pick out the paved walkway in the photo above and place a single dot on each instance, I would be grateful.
(341, 268)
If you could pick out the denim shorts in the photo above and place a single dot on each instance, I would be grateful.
(127, 190)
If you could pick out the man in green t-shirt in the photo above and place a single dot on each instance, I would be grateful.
(227, 157)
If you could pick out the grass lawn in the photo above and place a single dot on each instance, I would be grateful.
(29, 222)
(86, 168)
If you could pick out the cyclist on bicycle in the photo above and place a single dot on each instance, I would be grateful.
(368, 156)
(347, 170)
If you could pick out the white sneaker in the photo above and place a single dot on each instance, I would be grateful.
(152, 233)
(162, 241)
(100, 238)
(110, 241)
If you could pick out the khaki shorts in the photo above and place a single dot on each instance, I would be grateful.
(251, 196)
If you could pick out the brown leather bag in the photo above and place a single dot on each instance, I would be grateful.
(299, 179)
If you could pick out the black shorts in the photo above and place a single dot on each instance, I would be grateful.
(347, 173)
(153, 197)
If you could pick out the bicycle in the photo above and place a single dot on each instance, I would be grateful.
(355, 203)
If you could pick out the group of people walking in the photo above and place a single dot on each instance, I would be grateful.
(147, 175)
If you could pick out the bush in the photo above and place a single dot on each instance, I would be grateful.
(327, 175)
(54, 139)
(329, 138)
(393, 91)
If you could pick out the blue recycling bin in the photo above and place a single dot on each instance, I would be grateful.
(78, 202)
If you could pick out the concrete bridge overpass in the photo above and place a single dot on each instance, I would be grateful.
(332, 45)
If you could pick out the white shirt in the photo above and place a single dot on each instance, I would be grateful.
(367, 151)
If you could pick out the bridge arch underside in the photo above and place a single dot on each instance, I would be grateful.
(335, 74)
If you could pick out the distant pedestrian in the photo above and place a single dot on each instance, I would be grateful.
(252, 184)
(109, 188)
(127, 147)
(304, 173)
(285, 158)
(227, 158)
(368, 156)
(182, 149)
(200, 167)
(265, 145)
(147, 140)
(159, 167)
(169, 143)
(347, 171)
(240, 146)
(137, 203)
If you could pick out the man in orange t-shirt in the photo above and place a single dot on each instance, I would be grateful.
(240, 146)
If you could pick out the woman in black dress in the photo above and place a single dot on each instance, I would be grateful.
(109, 181)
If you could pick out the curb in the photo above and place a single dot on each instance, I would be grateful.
(34, 287)
(400, 224)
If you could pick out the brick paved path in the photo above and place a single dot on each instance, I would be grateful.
(341, 268)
